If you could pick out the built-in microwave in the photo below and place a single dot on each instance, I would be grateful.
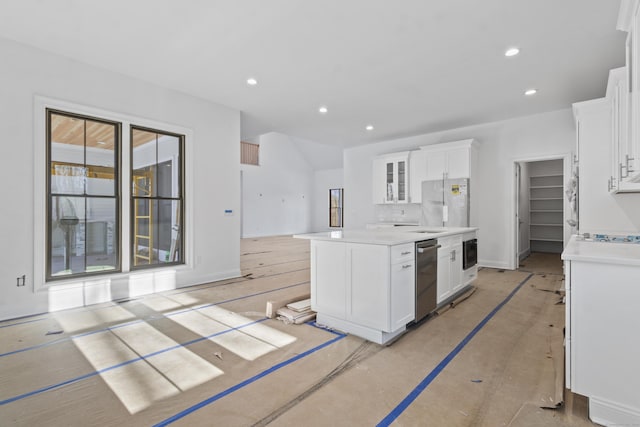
(469, 253)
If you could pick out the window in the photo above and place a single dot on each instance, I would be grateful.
(83, 198)
(335, 207)
(156, 197)
(84, 187)
(249, 153)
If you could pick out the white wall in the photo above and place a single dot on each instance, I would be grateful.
(213, 158)
(324, 180)
(501, 143)
(276, 196)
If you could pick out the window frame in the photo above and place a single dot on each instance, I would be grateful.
(249, 151)
(133, 198)
(48, 112)
(339, 208)
(108, 279)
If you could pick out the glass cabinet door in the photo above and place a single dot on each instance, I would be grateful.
(390, 192)
(402, 179)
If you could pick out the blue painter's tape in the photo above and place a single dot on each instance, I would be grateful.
(245, 383)
(142, 320)
(413, 395)
(128, 362)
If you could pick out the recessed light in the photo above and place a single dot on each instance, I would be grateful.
(251, 81)
(369, 127)
(323, 109)
(530, 92)
(512, 51)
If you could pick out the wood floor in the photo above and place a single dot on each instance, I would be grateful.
(207, 356)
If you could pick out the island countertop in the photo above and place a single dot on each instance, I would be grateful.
(580, 249)
(387, 236)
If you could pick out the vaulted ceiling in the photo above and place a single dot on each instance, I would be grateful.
(405, 67)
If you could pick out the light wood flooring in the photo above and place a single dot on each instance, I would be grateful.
(206, 356)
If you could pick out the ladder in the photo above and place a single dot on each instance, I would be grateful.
(142, 187)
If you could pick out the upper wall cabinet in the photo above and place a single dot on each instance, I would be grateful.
(450, 160)
(417, 174)
(391, 178)
(624, 95)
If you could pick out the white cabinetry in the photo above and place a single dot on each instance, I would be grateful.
(450, 160)
(602, 351)
(417, 174)
(623, 96)
(629, 155)
(362, 288)
(450, 278)
(391, 178)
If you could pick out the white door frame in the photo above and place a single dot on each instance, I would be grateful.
(514, 259)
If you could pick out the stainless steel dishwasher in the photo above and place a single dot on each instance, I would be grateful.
(426, 277)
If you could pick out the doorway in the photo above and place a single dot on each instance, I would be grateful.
(540, 208)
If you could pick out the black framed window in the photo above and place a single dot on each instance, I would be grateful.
(335, 207)
(157, 198)
(83, 197)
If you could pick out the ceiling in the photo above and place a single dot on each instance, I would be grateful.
(405, 67)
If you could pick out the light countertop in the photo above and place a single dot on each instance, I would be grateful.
(580, 249)
(387, 236)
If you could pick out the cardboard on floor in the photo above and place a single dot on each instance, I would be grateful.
(207, 355)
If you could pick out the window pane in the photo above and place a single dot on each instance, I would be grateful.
(67, 154)
(66, 236)
(335, 207)
(142, 232)
(168, 166)
(101, 243)
(82, 244)
(68, 132)
(156, 231)
(101, 158)
(168, 227)
(157, 192)
(144, 159)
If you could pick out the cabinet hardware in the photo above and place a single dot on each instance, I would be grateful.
(405, 253)
(629, 168)
(620, 167)
(453, 255)
(406, 266)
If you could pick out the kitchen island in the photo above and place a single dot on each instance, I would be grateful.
(363, 282)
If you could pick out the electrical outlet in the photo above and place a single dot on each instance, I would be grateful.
(21, 280)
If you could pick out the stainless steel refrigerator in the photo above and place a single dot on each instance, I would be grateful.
(445, 202)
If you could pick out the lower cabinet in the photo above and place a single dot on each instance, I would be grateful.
(450, 278)
(371, 286)
(602, 348)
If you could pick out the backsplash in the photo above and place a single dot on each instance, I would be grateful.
(398, 213)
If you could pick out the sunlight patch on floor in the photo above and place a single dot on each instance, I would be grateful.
(236, 341)
(82, 320)
(140, 383)
(160, 303)
(258, 330)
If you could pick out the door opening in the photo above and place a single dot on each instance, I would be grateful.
(539, 207)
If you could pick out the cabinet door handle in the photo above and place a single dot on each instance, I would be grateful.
(405, 253)
(629, 168)
(620, 167)
(406, 266)
(453, 255)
